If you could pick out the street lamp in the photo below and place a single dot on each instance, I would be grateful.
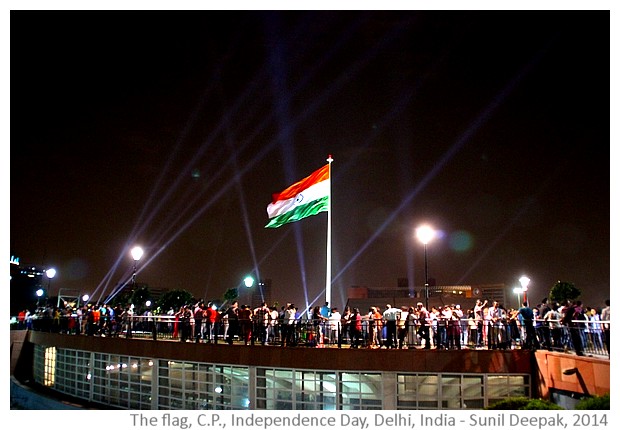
(248, 282)
(50, 273)
(40, 292)
(525, 281)
(425, 234)
(517, 291)
(136, 254)
(85, 298)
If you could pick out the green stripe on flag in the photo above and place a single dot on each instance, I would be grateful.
(300, 212)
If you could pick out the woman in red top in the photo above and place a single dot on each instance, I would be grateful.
(356, 328)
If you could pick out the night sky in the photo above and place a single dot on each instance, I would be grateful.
(171, 130)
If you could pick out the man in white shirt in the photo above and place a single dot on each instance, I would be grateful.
(391, 316)
(334, 325)
(496, 317)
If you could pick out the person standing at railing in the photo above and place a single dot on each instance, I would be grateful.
(595, 330)
(572, 313)
(79, 312)
(372, 327)
(334, 325)
(118, 320)
(401, 327)
(246, 324)
(261, 317)
(346, 325)
(325, 313)
(412, 327)
(110, 320)
(103, 319)
(380, 325)
(356, 328)
(454, 327)
(175, 326)
(479, 318)
(496, 319)
(210, 317)
(391, 316)
(199, 314)
(56, 320)
(28, 319)
(432, 325)
(222, 325)
(516, 329)
(90, 321)
(606, 316)
(441, 340)
(232, 322)
(21, 319)
(317, 322)
(185, 321)
(527, 318)
(288, 326)
(552, 318)
(464, 325)
(472, 339)
(448, 317)
(543, 308)
(424, 321)
(273, 328)
(170, 324)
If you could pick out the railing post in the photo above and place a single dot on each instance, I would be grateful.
(339, 335)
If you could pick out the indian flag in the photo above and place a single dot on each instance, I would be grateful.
(304, 198)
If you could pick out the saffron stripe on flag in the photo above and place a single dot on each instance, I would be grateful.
(318, 176)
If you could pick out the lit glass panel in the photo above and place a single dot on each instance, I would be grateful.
(50, 366)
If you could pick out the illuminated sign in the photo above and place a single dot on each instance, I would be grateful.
(14, 260)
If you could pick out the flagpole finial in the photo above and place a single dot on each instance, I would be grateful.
(329, 158)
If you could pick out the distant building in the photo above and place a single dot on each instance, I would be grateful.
(261, 293)
(26, 279)
(465, 295)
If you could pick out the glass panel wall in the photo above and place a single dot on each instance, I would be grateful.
(130, 382)
(457, 391)
(361, 391)
(290, 389)
(192, 385)
(122, 381)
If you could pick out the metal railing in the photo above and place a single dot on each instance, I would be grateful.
(579, 336)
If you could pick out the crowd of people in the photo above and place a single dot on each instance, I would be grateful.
(486, 325)
(547, 325)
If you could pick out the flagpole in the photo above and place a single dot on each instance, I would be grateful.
(328, 275)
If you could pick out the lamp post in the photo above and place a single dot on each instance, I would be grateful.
(40, 292)
(50, 273)
(524, 281)
(136, 254)
(517, 291)
(425, 234)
